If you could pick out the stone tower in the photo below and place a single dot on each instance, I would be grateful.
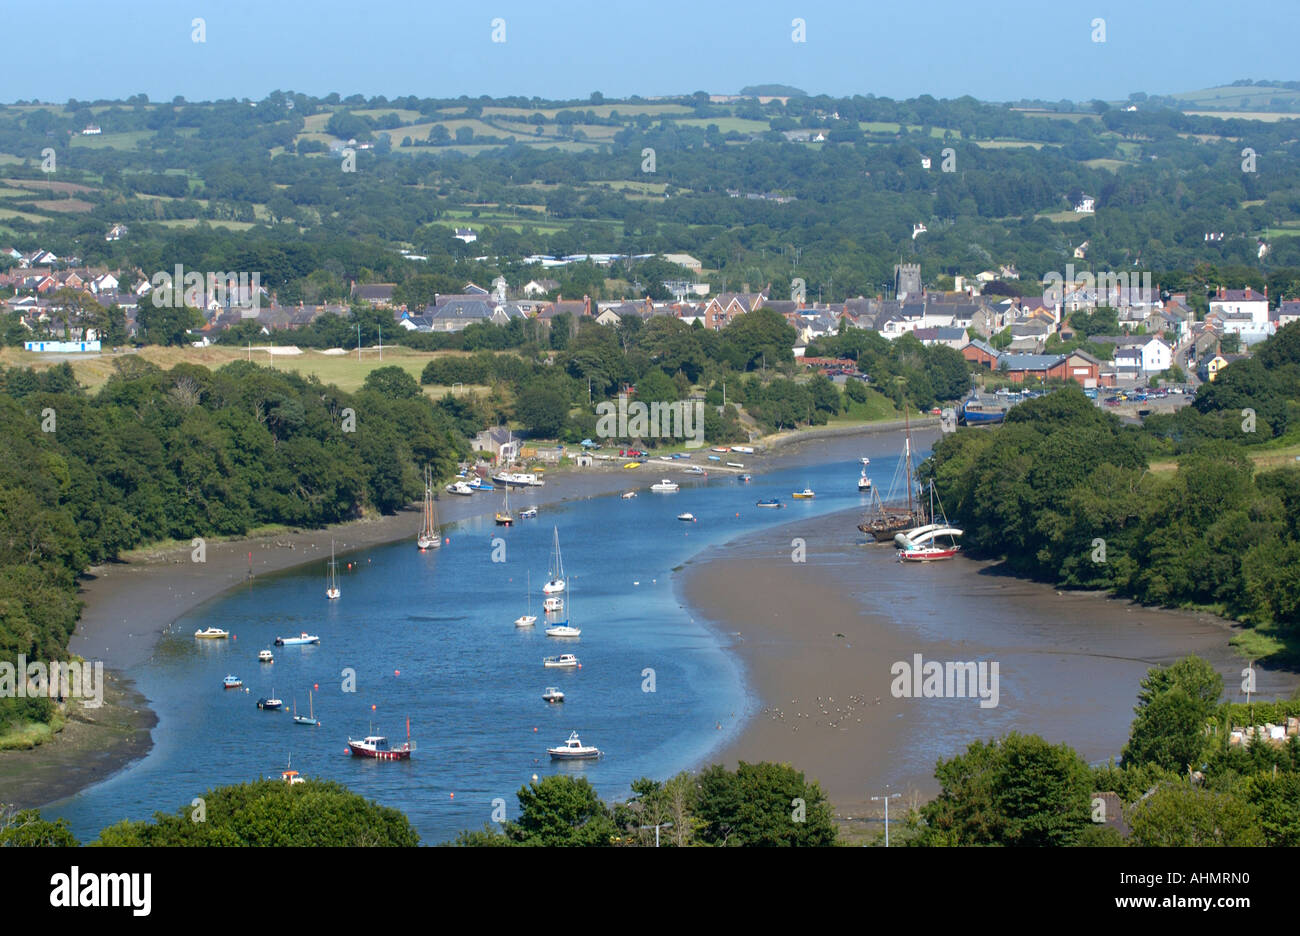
(907, 280)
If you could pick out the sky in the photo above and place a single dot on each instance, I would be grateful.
(994, 50)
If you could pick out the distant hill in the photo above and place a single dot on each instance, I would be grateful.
(1274, 97)
(773, 90)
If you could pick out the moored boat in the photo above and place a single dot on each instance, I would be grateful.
(563, 661)
(864, 483)
(529, 619)
(332, 588)
(232, 682)
(552, 694)
(528, 513)
(429, 537)
(770, 502)
(265, 656)
(303, 638)
(665, 486)
(973, 412)
(553, 604)
(555, 584)
(573, 749)
(461, 488)
(310, 718)
(378, 748)
(628, 495)
(211, 633)
(270, 704)
(805, 494)
(686, 517)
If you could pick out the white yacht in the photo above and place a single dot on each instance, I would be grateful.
(529, 619)
(666, 486)
(555, 585)
(461, 488)
(573, 749)
(563, 661)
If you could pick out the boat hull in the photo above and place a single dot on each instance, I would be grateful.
(566, 755)
(394, 754)
(927, 555)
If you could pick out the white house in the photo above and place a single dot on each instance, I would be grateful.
(466, 234)
(1157, 356)
(1243, 312)
(1086, 205)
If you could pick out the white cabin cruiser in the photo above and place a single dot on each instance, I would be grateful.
(573, 749)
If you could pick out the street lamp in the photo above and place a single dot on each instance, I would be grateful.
(886, 797)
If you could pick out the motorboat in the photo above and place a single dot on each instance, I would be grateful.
(695, 469)
(303, 638)
(552, 694)
(573, 749)
(232, 682)
(686, 517)
(461, 488)
(865, 461)
(529, 619)
(553, 604)
(745, 478)
(478, 484)
(864, 483)
(743, 449)
(628, 495)
(378, 748)
(770, 502)
(805, 494)
(528, 513)
(922, 543)
(666, 486)
(735, 465)
(211, 633)
(265, 656)
(563, 661)
(270, 704)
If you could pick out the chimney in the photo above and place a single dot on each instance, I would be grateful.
(1247, 292)
(586, 305)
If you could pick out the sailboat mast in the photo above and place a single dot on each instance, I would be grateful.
(907, 418)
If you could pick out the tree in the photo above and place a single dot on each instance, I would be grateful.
(312, 814)
(1180, 816)
(542, 410)
(1174, 705)
(762, 804)
(393, 382)
(1016, 791)
(26, 829)
(561, 811)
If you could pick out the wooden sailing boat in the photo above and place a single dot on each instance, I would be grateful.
(881, 521)
(332, 589)
(429, 537)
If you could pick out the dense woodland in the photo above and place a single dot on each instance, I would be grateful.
(1064, 493)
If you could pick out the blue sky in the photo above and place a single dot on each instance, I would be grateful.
(993, 50)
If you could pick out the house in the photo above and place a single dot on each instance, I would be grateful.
(92, 130)
(722, 309)
(1085, 205)
(982, 353)
(104, 283)
(377, 295)
(1288, 311)
(455, 313)
(1211, 366)
(1081, 252)
(1244, 312)
(954, 338)
(466, 234)
(116, 232)
(497, 442)
(540, 287)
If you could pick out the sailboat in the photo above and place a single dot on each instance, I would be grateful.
(506, 518)
(882, 522)
(529, 619)
(429, 537)
(305, 719)
(921, 544)
(564, 628)
(332, 589)
(556, 584)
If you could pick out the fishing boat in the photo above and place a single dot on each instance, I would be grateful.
(265, 656)
(564, 628)
(429, 537)
(563, 661)
(528, 513)
(770, 503)
(923, 543)
(805, 494)
(308, 719)
(686, 517)
(975, 412)
(232, 682)
(291, 776)
(553, 604)
(628, 495)
(864, 483)
(461, 488)
(211, 633)
(270, 703)
(529, 619)
(666, 486)
(555, 584)
(303, 638)
(332, 589)
(883, 520)
(573, 749)
(552, 694)
(377, 747)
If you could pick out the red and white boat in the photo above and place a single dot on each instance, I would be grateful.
(927, 553)
(377, 747)
(926, 543)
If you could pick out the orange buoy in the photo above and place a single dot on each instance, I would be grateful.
(315, 685)
(372, 706)
(453, 796)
